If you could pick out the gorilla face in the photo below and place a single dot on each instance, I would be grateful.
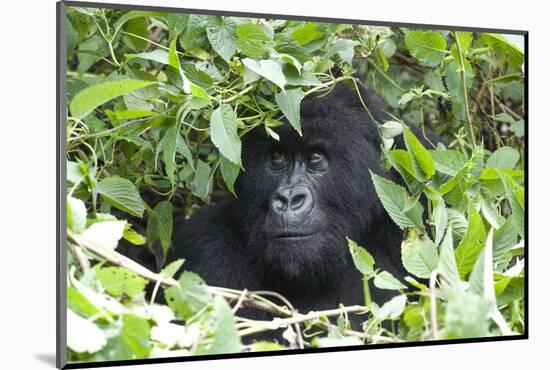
(299, 197)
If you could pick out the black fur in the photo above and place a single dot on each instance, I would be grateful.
(233, 245)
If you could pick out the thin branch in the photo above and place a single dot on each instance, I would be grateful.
(462, 72)
(105, 132)
(433, 305)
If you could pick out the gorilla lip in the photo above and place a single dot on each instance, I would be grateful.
(291, 236)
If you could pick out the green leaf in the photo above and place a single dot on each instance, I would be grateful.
(167, 146)
(226, 338)
(505, 157)
(83, 336)
(121, 194)
(81, 305)
(344, 48)
(428, 47)
(419, 255)
(447, 260)
(289, 102)
(132, 342)
(466, 315)
(362, 259)
(404, 211)
(268, 69)
(385, 280)
(391, 129)
(160, 225)
(516, 197)
(401, 162)
(266, 347)
(202, 184)
(464, 39)
(174, 62)
(133, 236)
(420, 156)
(183, 149)
(307, 33)
(223, 132)
(251, 31)
(92, 97)
(105, 233)
(189, 296)
(449, 162)
(74, 172)
(76, 215)
(392, 309)
(439, 217)
(222, 37)
(118, 281)
(172, 268)
(471, 246)
(230, 171)
(132, 15)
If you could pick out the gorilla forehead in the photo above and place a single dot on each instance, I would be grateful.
(337, 120)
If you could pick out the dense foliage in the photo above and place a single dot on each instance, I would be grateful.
(157, 106)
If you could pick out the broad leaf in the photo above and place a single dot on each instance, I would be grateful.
(92, 97)
(289, 102)
(428, 47)
(223, 131)
(122, 194)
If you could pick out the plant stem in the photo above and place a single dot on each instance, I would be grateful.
(462, 72)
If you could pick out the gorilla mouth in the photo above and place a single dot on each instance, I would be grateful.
(291, 235)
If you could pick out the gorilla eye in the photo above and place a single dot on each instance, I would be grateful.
(278, 158)
(314, 157)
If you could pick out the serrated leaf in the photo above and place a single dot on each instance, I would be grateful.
(189, 296)
(105, 234)
(402, 210)
(133, 340)
(449, 162)
(118, 281)
(464, 39)
(230, 171)
(122, 194)
(221, 35)
(83, 335)
(172, 268)
(420, 156)
(307, 33)
(76, 215)
(92, 97)
(289, 102)
(471, 246)
(428, 47)
(268, 69)
(226, 338)
(385, 280)
(447, 260)
(160, 225)
(133, 236)
(505, 157)
(201, 184)
(419, 255)
(362, 259)
(223, 132)
(167, 146)
(392, 309)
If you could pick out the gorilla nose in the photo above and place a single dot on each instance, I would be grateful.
(292, 201)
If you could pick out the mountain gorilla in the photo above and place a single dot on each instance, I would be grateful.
(297, 201)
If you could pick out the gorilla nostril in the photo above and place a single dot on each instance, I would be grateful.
(280, 203)
(297, 201)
